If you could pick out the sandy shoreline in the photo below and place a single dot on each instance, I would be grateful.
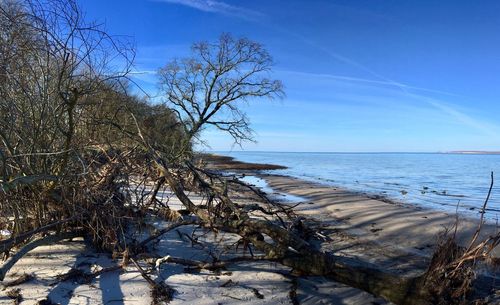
(407, 226)
(256, 283)
(394, 236)
(400, 235)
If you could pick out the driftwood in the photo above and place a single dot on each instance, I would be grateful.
(286, 247)
(158, 261)
(274, 238)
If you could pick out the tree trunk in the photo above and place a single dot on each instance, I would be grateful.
(47, 240)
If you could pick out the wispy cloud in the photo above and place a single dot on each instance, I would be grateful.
(447, 108)
(218, 7)
(366, 80)
(482, 126)
(390, 94)
(142, 72)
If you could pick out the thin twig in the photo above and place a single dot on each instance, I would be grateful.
(483, 211)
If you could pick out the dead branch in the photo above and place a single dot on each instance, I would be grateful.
(6, 245)
(302, 255)
(158, 261)
(83, 277)
(481, 220)
(156, 189)
(160, 292)
(451, 273)
(18, 281)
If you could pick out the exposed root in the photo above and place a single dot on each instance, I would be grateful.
(444, 286)
(161, 294)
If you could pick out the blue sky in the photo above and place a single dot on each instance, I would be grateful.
(361, 76)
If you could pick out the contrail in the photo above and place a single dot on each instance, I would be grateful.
(448, 109)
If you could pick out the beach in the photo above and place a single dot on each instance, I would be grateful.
(394, 236)
(410, 227)
(216, 152)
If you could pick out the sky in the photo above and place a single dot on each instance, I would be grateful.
(359, 75)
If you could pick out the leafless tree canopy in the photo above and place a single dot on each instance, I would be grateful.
(64, 97)
(51, 61)
(205, 89)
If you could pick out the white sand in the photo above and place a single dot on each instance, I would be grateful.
(203, 287)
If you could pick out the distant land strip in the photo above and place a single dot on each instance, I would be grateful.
(474, 152)
(227, 163)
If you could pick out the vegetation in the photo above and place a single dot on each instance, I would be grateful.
(64, 105)
(76, 146)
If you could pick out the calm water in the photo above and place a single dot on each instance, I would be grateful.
(433, 180)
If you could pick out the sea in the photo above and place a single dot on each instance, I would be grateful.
(443, 181)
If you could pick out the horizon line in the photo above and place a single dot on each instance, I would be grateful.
(455, 152)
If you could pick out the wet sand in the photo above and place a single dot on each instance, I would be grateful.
(405, 226)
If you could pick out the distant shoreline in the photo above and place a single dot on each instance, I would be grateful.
(457, 152)
(473, 152)
(222, 162)
(422, 193)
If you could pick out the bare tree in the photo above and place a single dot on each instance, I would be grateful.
(205, 89)
(52, 59)
(51, 62)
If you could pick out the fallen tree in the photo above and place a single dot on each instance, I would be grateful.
(295, 252)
